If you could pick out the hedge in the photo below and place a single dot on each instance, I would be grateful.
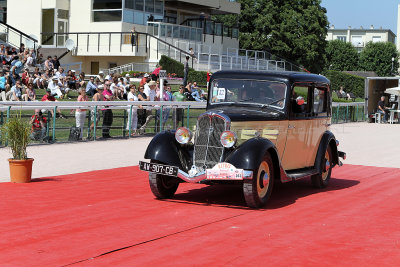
(351, 83)
(173, 66)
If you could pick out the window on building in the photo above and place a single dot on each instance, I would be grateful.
(376, 39)
(139, 5)
(158, 6)
(129, 4)
(341, 38)
(3, 11)
(107, 10)
(107, 4)
(357, 41)
(62, 14)
(149, 6)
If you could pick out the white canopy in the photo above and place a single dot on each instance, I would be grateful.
(393, 91)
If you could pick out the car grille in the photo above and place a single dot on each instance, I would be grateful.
(208, 148)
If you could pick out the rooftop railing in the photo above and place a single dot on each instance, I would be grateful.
(15, 37)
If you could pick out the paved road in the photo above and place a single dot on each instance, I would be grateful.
(365, 144)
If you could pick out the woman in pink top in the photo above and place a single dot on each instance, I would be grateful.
(107, 113)
(80, 114)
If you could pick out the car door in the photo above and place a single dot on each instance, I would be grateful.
(298, 138)
(319, 122)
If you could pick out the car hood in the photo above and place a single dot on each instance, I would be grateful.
(238, 113)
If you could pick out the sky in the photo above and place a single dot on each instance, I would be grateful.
(356, 13)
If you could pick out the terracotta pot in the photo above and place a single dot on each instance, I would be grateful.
(20, 170)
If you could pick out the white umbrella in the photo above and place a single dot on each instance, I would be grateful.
(393, 91)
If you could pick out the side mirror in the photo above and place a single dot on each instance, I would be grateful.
(300, 101)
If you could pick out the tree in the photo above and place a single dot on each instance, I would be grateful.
(378, 57)
(294, 30)
(341, 56)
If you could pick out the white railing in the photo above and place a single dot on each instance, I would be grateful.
(128, 106)
(143, 67)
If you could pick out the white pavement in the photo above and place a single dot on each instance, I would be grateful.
(365, 144)
(67, 158)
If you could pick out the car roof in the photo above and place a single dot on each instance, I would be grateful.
(287, 75)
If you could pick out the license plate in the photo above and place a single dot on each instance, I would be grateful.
(158, 168)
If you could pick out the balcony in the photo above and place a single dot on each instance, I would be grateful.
(173, 31)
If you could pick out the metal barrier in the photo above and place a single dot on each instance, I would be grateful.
(124, 110)
(348, 112)
(341, 113)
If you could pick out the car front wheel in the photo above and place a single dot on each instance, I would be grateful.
(162, 186)
(321, 180)
(258, 190)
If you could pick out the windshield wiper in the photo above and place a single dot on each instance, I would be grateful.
(276, 101)
(272, 108)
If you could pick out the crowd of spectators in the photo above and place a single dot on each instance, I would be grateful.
(21, 77)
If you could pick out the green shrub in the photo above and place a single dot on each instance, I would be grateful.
(171, 66)
(198, 76)
(351, 83)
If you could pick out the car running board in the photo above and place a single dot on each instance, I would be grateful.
(302, 173)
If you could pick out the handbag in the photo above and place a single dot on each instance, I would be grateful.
(74, 134)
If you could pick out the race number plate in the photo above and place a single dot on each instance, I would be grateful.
(224, 171)
(158, 168)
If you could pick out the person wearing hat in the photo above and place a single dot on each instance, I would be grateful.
(54, 88)
(98, 96)
(100, 78)
(127, 81)
(150, 90)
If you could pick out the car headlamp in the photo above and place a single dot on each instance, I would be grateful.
(183, 135)
(228, 139)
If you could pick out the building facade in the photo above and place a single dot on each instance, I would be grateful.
(101, 29)
(360, 37)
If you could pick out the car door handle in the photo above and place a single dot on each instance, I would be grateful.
(291, 127)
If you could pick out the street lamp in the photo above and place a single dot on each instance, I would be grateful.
(391, 72)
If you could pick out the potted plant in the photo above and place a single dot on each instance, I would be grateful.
(17, 133)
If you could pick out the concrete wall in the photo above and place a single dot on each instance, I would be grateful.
(17, 11)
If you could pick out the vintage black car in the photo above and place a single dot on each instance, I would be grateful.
(259, 128)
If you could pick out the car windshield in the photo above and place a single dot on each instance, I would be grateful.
(258, 92)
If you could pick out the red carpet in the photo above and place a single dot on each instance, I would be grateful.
(111, 218)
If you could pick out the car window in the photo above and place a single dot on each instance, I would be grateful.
(296, 106)
(270, 93)
(320, 100)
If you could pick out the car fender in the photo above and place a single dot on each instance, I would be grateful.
(328, 139)
(164, 148)
(248, 155)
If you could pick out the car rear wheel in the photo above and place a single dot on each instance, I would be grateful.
(258, 190)
(322, 180)
(162, 186)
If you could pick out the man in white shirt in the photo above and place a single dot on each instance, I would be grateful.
(54, 87)
(60, 73)
(132, 117)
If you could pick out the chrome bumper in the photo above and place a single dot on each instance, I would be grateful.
(247, 175)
